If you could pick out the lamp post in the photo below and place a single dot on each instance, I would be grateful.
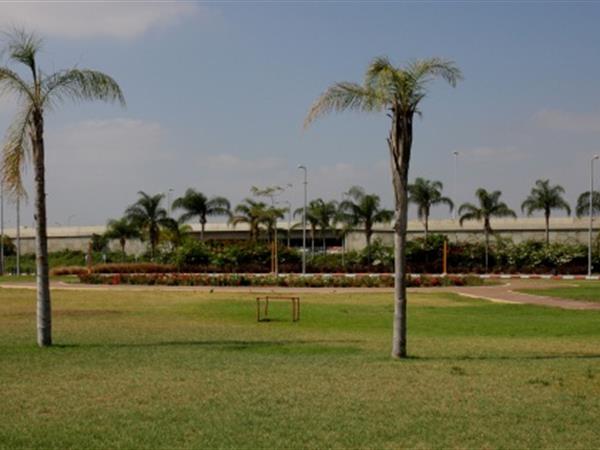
(455, 153)
(301, 167)
(595, 157)
(169, 198)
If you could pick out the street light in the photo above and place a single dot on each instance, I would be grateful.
(455, 153)
(301, 167)
(595, 157)
(169, 202)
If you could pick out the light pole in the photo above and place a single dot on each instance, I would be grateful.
(455, 153)
(595, 157)
(169, 197)
(301, 167)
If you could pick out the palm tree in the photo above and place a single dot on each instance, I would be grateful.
(426, 194)
(174, 232)
(364, 209)
(398, 92)
(196, 204)
(583, 204)
(149, 216)
(326, 214)
(25, 140)
(251, 212)
(312, 219)
(544, 197)
(122, 229)
(489, 206)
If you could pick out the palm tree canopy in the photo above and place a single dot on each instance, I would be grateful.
(544, 197)
(42, 92)
(583, 204)
(363, 208)
(385, 87)
(426, 194)
(196, 204)
(121, 229)
(489, 206)
(148, 214)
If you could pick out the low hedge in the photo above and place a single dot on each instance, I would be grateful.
(191, 279)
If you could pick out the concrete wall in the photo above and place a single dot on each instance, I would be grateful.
(561, 229)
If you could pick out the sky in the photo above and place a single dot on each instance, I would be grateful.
(217, 93)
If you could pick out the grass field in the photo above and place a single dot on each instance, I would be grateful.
(195, 370)
(579, 290)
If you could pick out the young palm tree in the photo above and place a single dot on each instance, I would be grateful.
(312, 219)
(489, 206)
(25, 140)
(426, 194)
(174, 232)
(583, 204)
(398, 92)
(196, 204)
(326, 214)
(364, 209)
(122, 229)
(148, 215)
(544, 197)
(251, 212)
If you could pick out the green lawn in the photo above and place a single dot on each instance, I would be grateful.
(572, 290)
(195, 370)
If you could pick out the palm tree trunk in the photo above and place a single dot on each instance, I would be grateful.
(368, 234)
(426, 226)
(122, 242)
(202, 231)
(400, 143)
(487, 247)
(44, 310)
(547, 217)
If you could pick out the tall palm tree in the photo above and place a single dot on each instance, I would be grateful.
(489, 206)
(583, 204)
(364, 209)
(25, 140)
(196, 204)
(544, 197)
(122, 229)
(426, 194)
(149, 216)
(397, 91)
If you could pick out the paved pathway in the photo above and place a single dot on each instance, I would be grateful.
(503, 293)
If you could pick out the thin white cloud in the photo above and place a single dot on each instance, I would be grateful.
(555, 119)
(94, 19)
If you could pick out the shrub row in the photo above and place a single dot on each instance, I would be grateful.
(190, 279)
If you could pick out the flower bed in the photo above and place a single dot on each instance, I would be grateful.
(192, 279)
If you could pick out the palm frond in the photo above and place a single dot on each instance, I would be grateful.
(341, 97)
(23, 47)
(81, 85)
(421, 70)
(16, 153)
(11, 82)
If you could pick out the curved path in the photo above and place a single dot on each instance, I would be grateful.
(502, 293)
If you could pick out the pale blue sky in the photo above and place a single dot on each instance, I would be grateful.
(217, 93)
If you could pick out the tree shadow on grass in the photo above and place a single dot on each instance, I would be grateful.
(467, 358)
(280, 346)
